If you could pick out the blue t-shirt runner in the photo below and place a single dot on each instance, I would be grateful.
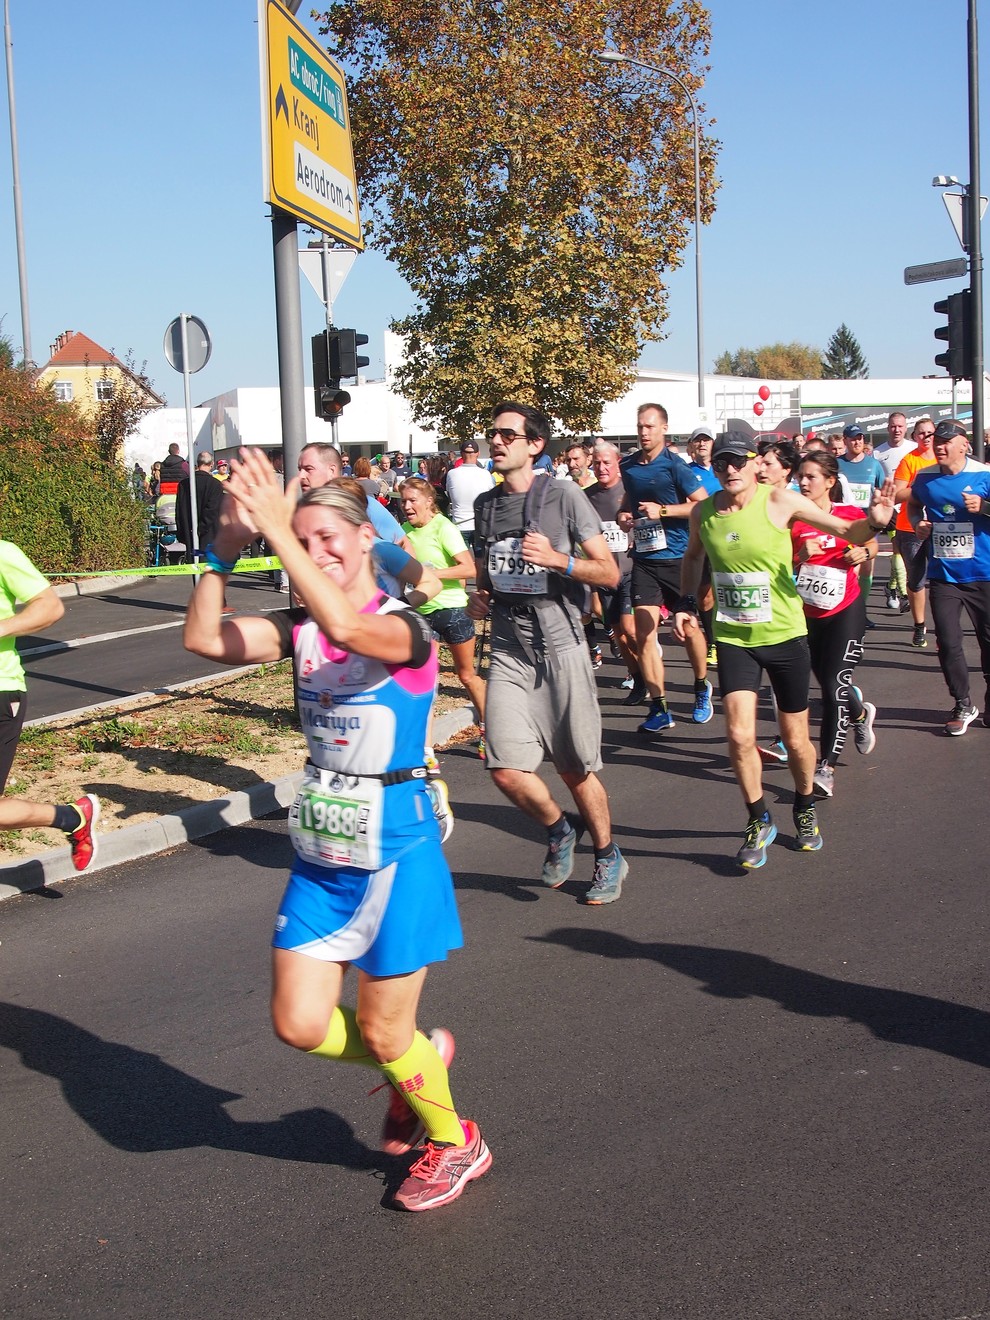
(666, 479)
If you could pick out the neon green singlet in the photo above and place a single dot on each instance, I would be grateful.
(756, 601)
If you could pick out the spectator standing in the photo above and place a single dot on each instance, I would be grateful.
(464, 485)
(174, 467)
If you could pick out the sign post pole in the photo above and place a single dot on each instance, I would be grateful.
(973, 205)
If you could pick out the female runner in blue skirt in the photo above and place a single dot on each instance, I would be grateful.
(369, 885)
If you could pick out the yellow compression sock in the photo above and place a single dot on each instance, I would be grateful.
(344, 1041)
(421, 1079)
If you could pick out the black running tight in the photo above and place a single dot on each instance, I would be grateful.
(836, 646)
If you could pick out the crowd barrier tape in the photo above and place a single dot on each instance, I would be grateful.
(259, 565)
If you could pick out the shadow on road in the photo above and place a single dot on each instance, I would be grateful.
(897, 1016)
(136, 1102)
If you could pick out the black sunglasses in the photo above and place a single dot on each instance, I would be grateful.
(735, 461)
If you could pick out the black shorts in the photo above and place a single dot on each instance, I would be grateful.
(13, 708)
(616, 603)
(656, 582)
(787, 665)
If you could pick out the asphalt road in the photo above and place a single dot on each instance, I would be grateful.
(743, 1096)
(102, 665)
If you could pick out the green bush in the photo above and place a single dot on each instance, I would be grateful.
(67, 508)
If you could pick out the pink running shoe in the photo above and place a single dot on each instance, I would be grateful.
(404, 1129)
(442, 1172)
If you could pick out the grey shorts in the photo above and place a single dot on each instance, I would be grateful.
(914, 551)
(536, 711)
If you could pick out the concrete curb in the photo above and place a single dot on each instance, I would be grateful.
(196, 822)
(90, 586)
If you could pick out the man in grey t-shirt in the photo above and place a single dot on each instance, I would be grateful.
(538, 545)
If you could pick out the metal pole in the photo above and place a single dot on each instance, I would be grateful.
(328, 307)
(191, 550)
(8, 42)
(616, 57)
(288, 324)
(972, 203)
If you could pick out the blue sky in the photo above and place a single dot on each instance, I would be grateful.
(138, 127)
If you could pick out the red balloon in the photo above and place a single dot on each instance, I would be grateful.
(758, 409)
(764, 392)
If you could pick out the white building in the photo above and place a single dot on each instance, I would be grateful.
(378, 418)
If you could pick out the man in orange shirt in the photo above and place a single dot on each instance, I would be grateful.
(912, 548)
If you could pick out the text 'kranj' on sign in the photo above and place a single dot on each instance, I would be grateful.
(309, 161)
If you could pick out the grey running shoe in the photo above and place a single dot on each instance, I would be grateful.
(607, 884)
(863, 733)
(961, 718)
(824, 779)
(759, 836)
(559, 861)
(437, 791)
(919, 638)
(809, 837)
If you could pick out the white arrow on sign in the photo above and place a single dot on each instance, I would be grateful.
(954, 206)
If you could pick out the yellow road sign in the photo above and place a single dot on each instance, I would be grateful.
(307, 153)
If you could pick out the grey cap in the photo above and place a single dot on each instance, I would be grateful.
(948, 430)
(700, 431)
(734, 442)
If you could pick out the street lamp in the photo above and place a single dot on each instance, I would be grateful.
(616, 57)
(8, 42)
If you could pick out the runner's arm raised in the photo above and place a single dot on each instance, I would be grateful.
(785, 507)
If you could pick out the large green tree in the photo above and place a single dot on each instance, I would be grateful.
(843, 358)
(532, 196)
(772, 362)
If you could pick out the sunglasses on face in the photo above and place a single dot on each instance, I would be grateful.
(726, 461)
(505, 433)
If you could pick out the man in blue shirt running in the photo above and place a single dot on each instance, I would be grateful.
(660, 491)
(949, 505)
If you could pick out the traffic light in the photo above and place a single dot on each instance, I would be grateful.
(344, 358)
(332, 403)
(329, 398)
(958, 334)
